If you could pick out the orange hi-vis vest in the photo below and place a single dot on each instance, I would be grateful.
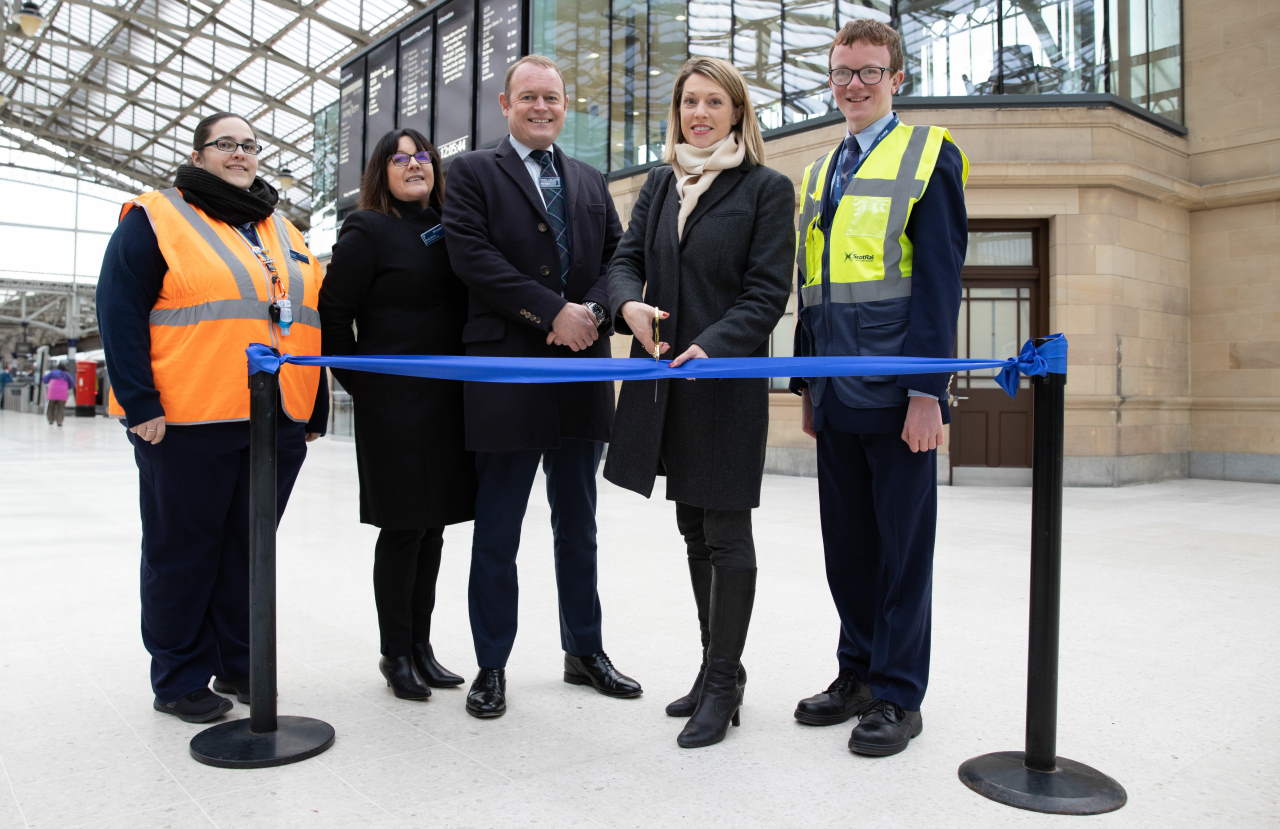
(214, 302)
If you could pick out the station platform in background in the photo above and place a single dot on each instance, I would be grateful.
(1168, 667)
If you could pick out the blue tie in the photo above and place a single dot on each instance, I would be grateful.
(554, 197)
(848, 161)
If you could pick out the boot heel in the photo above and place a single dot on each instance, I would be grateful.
(576, 679)
(737, 719)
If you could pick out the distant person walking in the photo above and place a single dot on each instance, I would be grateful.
(59, 386)
(5, 379)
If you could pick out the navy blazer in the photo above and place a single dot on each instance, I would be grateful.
(502, 248)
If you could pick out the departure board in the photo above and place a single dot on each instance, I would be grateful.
(350, 132)
(440, 74)
(455, 65)
(380, 95)
(416, 45)
(499, 47)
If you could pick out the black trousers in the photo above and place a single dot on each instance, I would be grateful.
(879, 506)
(405, 566)
(721, 537)
(194, 498)
(505, 480)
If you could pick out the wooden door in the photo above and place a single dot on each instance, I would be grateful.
(1003, 305)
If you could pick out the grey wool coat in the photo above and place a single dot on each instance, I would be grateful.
(725, 285)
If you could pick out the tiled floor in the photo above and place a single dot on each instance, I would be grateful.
(1168, 666)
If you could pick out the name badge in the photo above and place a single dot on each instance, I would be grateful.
(435, 234)
(299, 257)
(549, 182)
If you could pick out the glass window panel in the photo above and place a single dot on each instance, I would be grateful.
(1007, 248)
(993, 293)
(949, 52)
(710, 22)
(1042, 51)
(628, 134)
(873, 9)
(1005, 340)
(575, 34)
(668, 50)
(808, 27)
(757, 52)
(1165, 58)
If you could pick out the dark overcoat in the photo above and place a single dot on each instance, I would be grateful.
(404, 299)
(502, 247)
(725, 285)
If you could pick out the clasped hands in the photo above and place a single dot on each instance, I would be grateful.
(640, 317)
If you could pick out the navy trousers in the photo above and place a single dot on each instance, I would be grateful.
(879, 505)
(505, 480)
(194, 497)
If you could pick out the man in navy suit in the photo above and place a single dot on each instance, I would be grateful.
(882, 236)
(531, 231)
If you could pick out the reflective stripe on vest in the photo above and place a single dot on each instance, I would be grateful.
(213, 302)
(870, 257)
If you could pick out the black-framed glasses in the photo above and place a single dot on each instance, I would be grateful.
(869, 75)
(402, 159)
(228, 145)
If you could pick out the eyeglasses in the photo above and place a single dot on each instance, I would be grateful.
(869, 75)
(402, 159)
(228, 145)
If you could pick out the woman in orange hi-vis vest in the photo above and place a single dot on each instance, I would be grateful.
(192, 275)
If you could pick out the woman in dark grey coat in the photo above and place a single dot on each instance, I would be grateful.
(390, 275)
(709, 250)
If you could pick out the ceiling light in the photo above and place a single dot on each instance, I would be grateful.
(286, 178)
(30, 18)
(582, 100)
(655, 72)
(593, 55)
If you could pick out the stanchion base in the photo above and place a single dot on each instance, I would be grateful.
(1073, 789)
(232, 745)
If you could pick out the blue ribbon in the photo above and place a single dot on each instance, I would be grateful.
(1049, 357)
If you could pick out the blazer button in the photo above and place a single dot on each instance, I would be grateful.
(542, 227)
(545, 270)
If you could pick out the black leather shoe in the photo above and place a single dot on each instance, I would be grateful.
(488, 695)
(843, 699)
(201, 705)
(236, 687)
(597, 671)
(431, 671)
(401, 679)
(885, 729)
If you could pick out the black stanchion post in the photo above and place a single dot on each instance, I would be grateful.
(263, 739)
(1037, 779)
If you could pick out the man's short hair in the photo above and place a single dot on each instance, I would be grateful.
(873, 32)
(535, 60)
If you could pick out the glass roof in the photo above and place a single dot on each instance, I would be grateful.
(114, 88)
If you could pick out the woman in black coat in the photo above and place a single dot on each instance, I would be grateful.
(390, 275)
(709, 249)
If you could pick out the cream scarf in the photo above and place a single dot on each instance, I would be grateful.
(695, 169)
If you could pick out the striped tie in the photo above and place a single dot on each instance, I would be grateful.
(553, 195)
(848, 161)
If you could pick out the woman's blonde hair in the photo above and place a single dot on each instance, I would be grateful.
(727, 77)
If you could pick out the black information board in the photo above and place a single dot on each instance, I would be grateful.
(499, 47)
(350, 132)
(439, 74)
(380, 94)
(416, 45)
(455, 42)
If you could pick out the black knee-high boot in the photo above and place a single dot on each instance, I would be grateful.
(700, 578)
(733, 594)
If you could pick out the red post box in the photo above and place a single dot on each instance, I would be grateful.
(86, 388)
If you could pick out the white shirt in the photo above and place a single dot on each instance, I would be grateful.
(534, 168)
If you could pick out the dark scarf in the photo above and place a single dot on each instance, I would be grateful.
(223, 200)
(413, 211)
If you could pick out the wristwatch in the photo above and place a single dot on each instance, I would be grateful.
(598, 310)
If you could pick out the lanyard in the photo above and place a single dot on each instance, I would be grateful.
(281, 309)
(835, 162)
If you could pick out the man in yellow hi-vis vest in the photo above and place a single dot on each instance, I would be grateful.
(881, 240)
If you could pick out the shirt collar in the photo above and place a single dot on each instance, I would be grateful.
(523, 151)
(866, 137)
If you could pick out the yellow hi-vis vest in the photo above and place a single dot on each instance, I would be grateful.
(855, 266)
(214, 302)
